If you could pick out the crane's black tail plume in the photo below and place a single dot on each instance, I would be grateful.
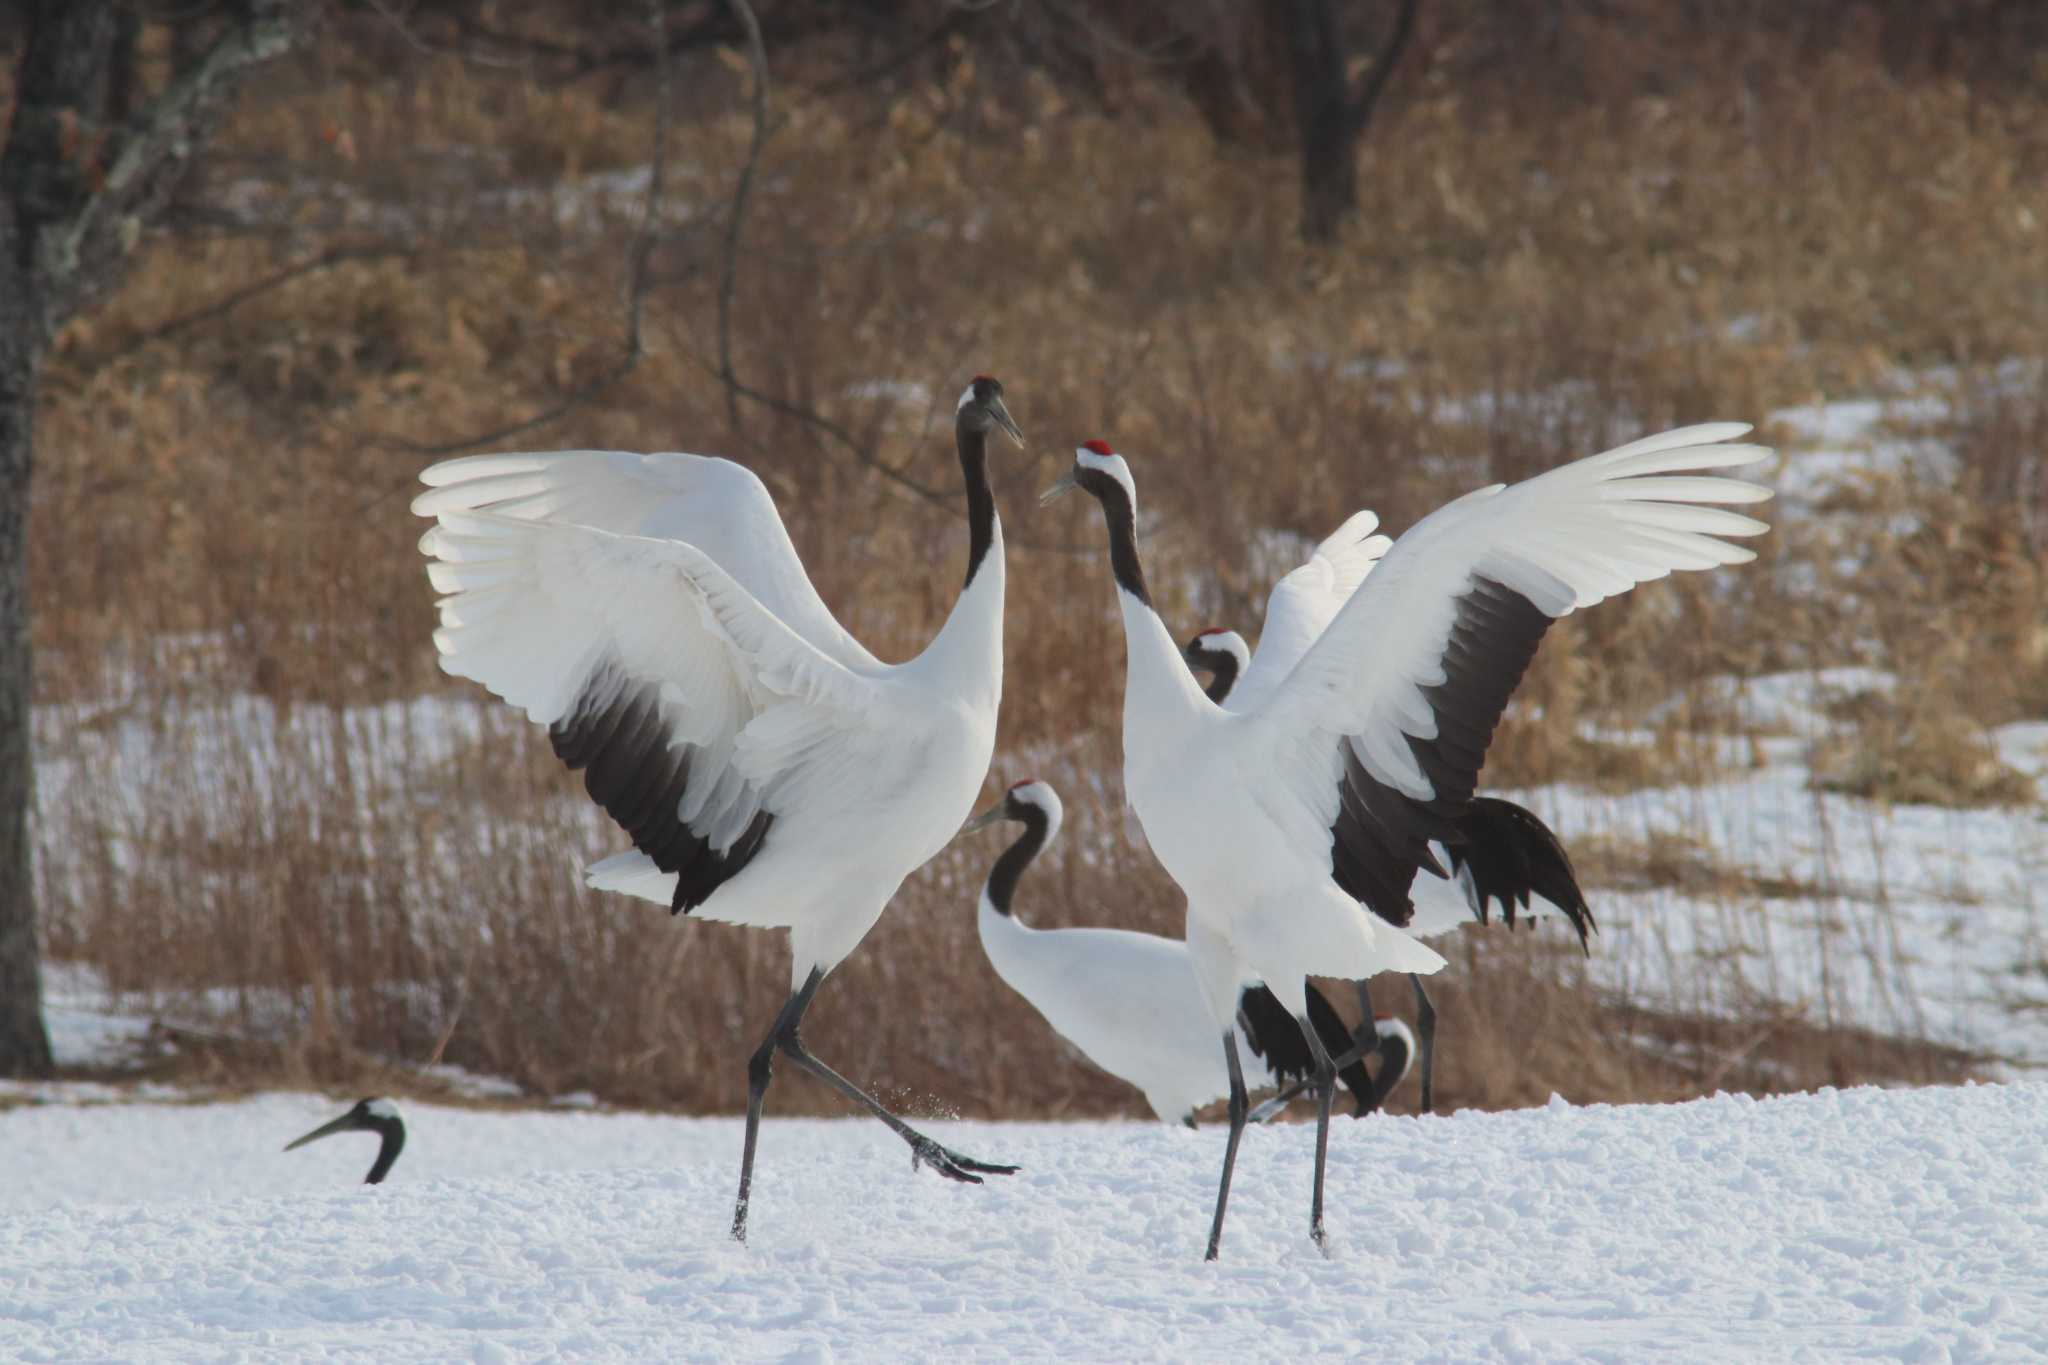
(1275, 1037)
(1508, 855)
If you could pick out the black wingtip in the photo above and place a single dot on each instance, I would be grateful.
(1512, 855)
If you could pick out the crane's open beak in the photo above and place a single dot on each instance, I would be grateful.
(1005, 421)
(344, 1124)
(1065, 486)
(983, 820)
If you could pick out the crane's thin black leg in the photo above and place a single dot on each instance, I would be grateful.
(787, 1036)
(760, 1070)
(1268, 1109)
(1238, 1105)
(922, 1149)
(1425, 1037)
(1338, 1039)
(1326, 1089)
(1365, 1043)
(1367, 1035)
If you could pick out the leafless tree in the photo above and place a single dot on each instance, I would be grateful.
(1331, 116)
(93, 155)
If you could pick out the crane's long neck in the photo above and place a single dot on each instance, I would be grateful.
(968, 650)
(1158, 688)
(1396, 1054)
(984, 532)
(1003, 877)
(1222, 667)
(393, 1134)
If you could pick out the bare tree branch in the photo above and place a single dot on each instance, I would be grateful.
(735, 219)
(235, 298)
(153, 148)
(1360, 111)
(861, 452)
(718, 27)
(954, 22)
(637, 256)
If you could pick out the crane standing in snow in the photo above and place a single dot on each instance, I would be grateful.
(1130, 1001)
(1502, 853)
(1322, 785)
(379, 1116)
(651, 611)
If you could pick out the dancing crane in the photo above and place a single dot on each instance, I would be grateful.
(651, 611)
(1502, 853)
(1322, 786)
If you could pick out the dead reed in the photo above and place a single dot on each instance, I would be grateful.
(262, 805)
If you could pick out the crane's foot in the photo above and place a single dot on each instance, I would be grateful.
(952, 1165)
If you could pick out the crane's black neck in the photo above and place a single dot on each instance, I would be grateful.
(1121, 518)
(1003, 877)
(392, 1131)
(1222, 666)
(1394, 1058)
(981, 501)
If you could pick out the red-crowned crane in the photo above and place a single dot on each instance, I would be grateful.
(651, 611)
(1322, 788)
(1130, 1001)
(379, 1116)
(1503, 855)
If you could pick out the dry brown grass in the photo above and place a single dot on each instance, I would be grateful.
(226, 580)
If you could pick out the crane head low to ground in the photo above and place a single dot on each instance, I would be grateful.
(372, 1115)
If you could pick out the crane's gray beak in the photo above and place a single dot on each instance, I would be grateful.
(1005, 421)
(344, 1124)
(1065, 486)
(983, 820)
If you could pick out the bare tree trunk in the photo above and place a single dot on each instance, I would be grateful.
(63, 67)
(1331, 119)
(24, 1045)
(86, 166)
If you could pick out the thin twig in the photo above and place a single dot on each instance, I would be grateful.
(895, 61)
(637, 256)
(461, 999)
(757, 58)
(1359, 113)
(235, 298)
(643, 241)
(424, 48)
(728, 284)
(854, 447)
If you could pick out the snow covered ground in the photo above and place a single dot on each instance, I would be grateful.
(1907, 1225)
(1861, 1224)
(1919, 921)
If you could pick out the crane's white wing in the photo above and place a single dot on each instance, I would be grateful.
(687, 702)
(717, 506)
(1304, 602)
(1390, 712)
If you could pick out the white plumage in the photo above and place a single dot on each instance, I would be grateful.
(652, 612)
(1278, 813)
(1130, 1001)
(1504, 860)
(863, 766)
